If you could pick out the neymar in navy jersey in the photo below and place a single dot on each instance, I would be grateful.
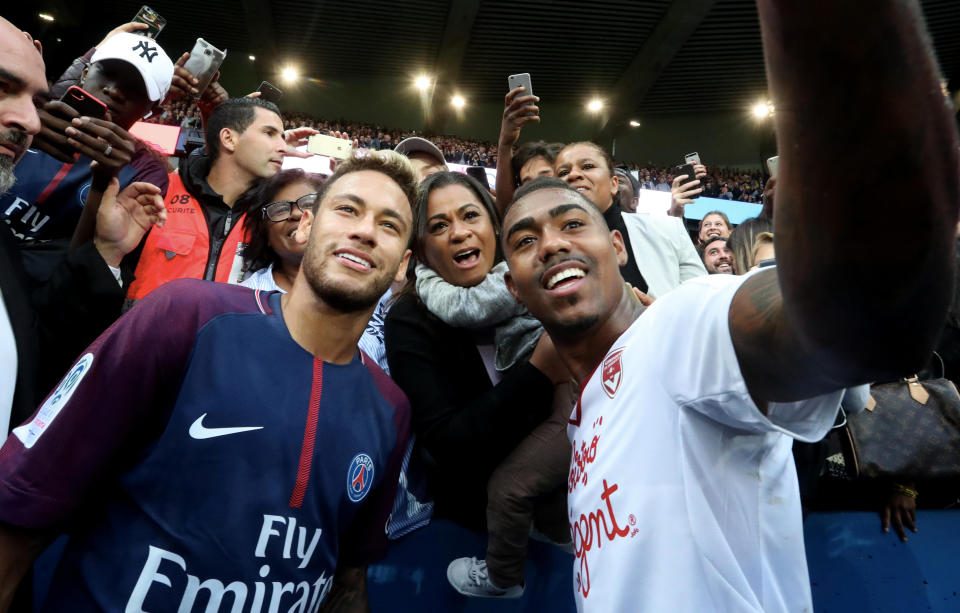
(220, 449)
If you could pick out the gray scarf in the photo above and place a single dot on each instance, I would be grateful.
(487, 305)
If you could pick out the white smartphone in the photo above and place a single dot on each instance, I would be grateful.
(523, 79)
(330, 146)
(204, 62)
(772, 164)
(692, 158)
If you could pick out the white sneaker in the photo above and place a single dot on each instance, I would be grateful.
(469, 577)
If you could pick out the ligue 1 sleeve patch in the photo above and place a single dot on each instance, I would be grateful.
(359, 477)
(30, 432)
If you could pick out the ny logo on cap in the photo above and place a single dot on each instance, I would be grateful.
(146, 50)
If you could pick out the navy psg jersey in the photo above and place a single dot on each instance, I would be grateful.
(203, 461)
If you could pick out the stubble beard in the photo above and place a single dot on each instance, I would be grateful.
(344, 299)
(7, 176)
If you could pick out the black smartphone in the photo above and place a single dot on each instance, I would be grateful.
(84, 102)
(270, 92)
(687, 169)
(153, 20)
(480, 174)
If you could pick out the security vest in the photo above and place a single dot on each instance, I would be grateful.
(181, 248)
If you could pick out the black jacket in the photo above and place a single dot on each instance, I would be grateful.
(53, 322)
(465, 426)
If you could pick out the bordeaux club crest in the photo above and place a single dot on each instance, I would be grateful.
(612, 373)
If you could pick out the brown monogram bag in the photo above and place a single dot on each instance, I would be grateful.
(909, 432)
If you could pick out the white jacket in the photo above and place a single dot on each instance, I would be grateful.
(663, 251)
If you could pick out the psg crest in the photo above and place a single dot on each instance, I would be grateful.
(612, 373)
(359, 477)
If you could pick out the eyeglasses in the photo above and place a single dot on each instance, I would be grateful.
(280, 211)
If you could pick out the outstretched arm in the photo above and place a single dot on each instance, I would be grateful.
(838, 314)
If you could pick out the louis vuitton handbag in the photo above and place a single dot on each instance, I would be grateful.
(910, 431)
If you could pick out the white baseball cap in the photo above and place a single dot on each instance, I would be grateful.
(146, 55)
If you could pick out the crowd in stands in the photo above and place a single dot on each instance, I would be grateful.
(726, 183)
(279, 373)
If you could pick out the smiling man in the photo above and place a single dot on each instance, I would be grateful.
(717, 257)
(682, 491)
(246, 450)
(204, 234)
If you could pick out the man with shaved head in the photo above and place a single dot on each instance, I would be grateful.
(682, 491)
(83, 296)
(24, 87)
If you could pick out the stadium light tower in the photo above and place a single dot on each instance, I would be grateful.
(762, 110)
(289, 74)
(422, 82)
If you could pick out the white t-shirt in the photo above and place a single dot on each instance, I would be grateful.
(8, 369)
(682, 495)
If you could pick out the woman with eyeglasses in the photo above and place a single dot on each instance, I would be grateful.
(274, 209)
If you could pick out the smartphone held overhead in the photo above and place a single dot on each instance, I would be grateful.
(772, 164)
(330, 146)
(154, 21)
(203, 63)
(687, 169)
(270, 92)
(521, 80)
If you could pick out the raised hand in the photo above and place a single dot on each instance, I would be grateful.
(125, 217)
(518, 111)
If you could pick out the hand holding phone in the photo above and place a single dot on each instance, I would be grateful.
(203, 63)
(686, 169)
(154, 21)
(521, 80)
(84, 102)
(520, 107)
(330, 146)
(772, 164)
(270, 92)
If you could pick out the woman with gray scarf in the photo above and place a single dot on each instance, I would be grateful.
(481, 376)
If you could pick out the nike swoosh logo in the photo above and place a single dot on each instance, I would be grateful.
(199, 431)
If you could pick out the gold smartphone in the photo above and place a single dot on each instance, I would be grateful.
(330, 146)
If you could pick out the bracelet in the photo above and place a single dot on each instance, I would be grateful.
(904, 490)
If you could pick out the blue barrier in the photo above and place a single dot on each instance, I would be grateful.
(856, 567)
(736, 211)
